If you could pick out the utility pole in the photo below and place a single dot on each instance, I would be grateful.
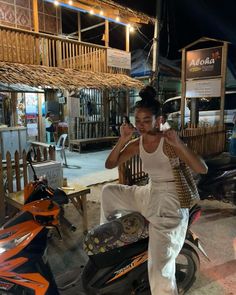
(156, 46)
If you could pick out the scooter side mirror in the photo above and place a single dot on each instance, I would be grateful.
(29, 160)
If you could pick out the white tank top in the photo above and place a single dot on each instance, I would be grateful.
(156, 164)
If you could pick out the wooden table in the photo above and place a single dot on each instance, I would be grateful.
(78, 197)
(76, 193)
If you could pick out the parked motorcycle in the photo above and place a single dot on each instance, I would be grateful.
(117, 254)
(39, 188)
(220, 181)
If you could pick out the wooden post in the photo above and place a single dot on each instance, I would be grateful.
(105, 101)
(223, 78)
(127, 107)
(183, 89)
(59, 53)
(9, 173)
(35, 16)
(2, 193)
(127, 39)
(79, 27)
(40, 121)
(106, 33)
(156, 46)
(14, 105)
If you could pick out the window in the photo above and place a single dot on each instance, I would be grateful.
(230, 101)
(171, 106)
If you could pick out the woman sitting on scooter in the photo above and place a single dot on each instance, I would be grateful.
(166, 199)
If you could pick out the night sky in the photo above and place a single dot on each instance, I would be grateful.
(183, 21)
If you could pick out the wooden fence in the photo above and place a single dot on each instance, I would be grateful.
(90, 129)
(205, 141)
(14, 174)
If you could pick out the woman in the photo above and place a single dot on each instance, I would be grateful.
(49, 125)
(165, 207)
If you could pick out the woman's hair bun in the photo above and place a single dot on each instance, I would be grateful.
(147, 93)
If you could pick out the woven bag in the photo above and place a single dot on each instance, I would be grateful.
(185, 184)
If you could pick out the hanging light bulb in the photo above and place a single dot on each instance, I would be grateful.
(101, 12)
(117, 18)
(91, 11)
(70, 2)
(56, 3)
(131, 29)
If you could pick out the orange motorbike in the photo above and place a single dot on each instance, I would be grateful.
(117, 252)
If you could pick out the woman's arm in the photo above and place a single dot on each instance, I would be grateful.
(124, 149)
(195, 162)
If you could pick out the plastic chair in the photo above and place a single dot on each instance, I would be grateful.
(60, 146)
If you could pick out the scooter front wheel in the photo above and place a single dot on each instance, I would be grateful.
(187, 267)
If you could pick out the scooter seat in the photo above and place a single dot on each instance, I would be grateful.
(222, 162)
(116, 233)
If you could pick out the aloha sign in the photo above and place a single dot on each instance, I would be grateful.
(204, 63)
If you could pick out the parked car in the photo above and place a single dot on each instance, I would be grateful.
(209, 110)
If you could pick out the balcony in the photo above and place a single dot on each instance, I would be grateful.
(27, 47)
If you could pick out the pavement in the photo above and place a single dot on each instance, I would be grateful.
(88, 168)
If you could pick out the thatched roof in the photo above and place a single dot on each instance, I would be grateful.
(61, 78)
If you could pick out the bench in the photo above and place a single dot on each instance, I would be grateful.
(75, 192)
(76, 144)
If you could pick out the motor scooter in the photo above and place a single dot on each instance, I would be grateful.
(117, 254)
(220, 181)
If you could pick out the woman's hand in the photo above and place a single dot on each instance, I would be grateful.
(172, 137)
(126, 131)
(184, 153)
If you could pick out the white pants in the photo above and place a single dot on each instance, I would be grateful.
(159, 204)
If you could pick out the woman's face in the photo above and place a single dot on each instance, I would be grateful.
(145, 121)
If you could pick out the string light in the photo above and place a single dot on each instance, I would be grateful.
(99, 10)
(131, 29)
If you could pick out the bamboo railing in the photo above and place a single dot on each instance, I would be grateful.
(205, 141)
(27, 47)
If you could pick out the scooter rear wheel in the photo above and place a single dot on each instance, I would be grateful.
(187, 267)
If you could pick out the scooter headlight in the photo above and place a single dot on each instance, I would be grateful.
(6, 246)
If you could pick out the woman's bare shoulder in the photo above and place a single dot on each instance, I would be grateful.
(134, 144)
